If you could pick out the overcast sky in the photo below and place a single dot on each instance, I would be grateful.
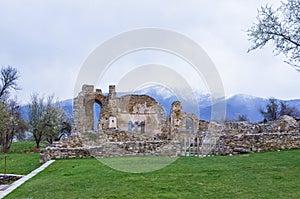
(48, 41)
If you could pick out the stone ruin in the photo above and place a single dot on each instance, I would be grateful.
(133, 125)
(126, 113)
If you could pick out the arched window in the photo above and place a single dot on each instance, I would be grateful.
(97, 112)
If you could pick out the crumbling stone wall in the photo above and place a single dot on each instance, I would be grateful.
(244, 137)
(246, 143)
(136, 125)
(71, 147)
(140, 109)
(114, 144)
(83, 107)
(234, 138)
(181, 122)
(117, 112)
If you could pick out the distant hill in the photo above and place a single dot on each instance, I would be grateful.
(238, 104)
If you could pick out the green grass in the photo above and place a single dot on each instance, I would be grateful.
(21, 147)
(18, 163)
(21, 159)
(259, 175)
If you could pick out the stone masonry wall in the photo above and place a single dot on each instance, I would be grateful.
(233, 138)
(113, 149)
(246, 143)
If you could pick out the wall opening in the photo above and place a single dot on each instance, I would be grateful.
(189, 124)
(97, 112)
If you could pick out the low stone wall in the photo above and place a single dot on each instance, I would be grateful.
(113, 149)
(245, 143)
(226, 144)
(136, 148)
(51, 153)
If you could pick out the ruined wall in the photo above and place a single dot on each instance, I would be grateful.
(246, 143)
(140, 109)
(83, 108)
(143, 130)
(181, 122)
(114, 144)
(235, 138)
(244, 137)
(117, 112)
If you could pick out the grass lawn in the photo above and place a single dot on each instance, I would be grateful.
(18, 163)
(21, 147)
(259, 175)
(20, 160)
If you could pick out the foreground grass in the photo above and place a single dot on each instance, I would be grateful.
(18, 163)
(21, 159)
(260, 175)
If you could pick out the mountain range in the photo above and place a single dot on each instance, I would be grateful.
(239, 104)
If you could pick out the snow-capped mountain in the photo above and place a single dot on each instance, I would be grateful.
(245, 105)
(240, 104)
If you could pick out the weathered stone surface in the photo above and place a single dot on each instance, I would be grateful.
(180, 122)
(112, 147)
(120, 110)
(232, 138)
(51, 153)
(228, 144)
(122, 133)
(241, 150)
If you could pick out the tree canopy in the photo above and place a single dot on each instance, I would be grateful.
(8, 81)
(280, 26)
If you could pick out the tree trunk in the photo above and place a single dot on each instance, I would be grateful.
(37, 138)
(37, 142)
(6, 142)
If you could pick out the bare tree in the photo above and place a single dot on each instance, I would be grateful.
(285, 109)
(35, 111)
(271, 111)
(275, 109)
(8, 81)
(282, 27)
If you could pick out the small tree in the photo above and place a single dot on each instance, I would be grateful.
(35, 111)
(275, 109)
(271, 112)
(45, 119)
(285, 109)
(13, 124)
(280, 26)
(54, 119)
(4, 117)
(10, 116)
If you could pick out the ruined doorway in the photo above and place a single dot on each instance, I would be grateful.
(97, 113)
(92, 111)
